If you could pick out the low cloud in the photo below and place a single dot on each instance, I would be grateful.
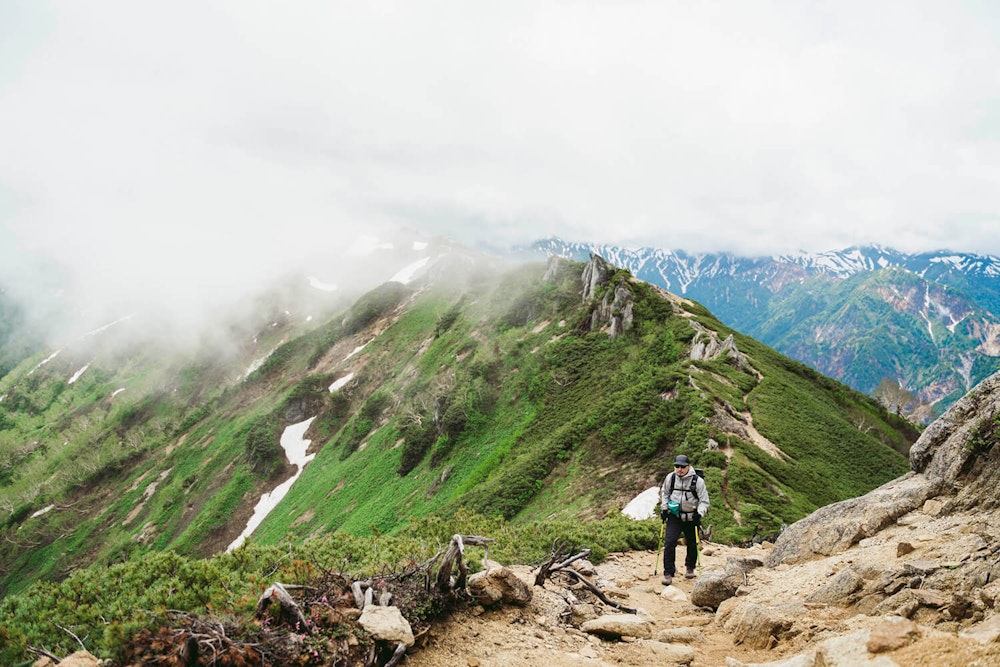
(186, 151)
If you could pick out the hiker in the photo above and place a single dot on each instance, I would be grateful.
(683, 502)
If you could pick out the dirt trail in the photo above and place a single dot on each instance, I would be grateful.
(536, 636)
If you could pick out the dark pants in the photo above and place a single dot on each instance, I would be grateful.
(670, 536)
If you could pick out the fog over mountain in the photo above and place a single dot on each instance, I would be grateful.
(184, 151)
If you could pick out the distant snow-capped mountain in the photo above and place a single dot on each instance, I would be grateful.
(685, 268)
(867, 315)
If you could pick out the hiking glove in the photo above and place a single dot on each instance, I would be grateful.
(663, 515)
(697, 519)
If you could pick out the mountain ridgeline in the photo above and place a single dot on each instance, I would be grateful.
(534, 392)
(917, 330)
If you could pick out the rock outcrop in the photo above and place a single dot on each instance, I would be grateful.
(953, 460)
(706, 346)
(614, 312)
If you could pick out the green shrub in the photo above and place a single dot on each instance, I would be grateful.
(419, 437)
(710, 459)
(373, 305)
(448, 319)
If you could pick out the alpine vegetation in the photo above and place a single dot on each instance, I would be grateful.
(531, 401)
(917, 331)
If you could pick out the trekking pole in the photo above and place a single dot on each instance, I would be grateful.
(659, 546)
(697, 546)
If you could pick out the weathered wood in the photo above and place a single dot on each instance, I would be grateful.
(572, 559)
(543, 570)
(277, 594)
(453, 559)
(397, 655)
(359, 595)
(454, 552)
(551, 567)
(593, 588)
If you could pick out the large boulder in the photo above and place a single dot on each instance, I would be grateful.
(386, 623)
(760, 627)
(713, 588)
(498, 584)
(955, 448)
(834, 528)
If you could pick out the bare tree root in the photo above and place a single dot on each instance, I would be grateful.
(554, 566)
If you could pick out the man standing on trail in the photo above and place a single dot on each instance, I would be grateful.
(683, 502)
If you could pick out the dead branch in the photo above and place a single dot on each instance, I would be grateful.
(45, 654)
(71, 634)
(453, 553)
(453, 558)
(593, 588)
(551, 567)
(277, 594)
(397, 655)
(558, 549)
(359, 595)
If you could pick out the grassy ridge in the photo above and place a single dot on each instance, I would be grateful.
(490, 397)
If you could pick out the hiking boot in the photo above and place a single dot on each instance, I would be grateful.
(689, 574)
(667, 580)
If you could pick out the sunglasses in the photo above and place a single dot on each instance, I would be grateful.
(677, 466)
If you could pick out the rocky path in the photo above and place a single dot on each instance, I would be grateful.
(678, 633)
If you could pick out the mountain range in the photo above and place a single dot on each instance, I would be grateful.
(918, 330)
(527, 392)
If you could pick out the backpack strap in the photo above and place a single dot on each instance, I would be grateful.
(693, 490)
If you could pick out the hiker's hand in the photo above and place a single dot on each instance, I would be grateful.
(663, 515)
(697, 519)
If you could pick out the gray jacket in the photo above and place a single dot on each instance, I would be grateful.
(690, 501)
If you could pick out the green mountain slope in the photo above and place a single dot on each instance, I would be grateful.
(541, 392)
(925, 325)
(889, 323)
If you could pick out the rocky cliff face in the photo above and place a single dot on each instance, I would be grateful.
(614, 311)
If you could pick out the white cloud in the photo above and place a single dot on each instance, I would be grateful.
(190, 148)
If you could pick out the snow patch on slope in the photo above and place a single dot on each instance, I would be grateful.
(295, 447)
(340, 382)
(76, 376)
(408, 273)
(644, 505)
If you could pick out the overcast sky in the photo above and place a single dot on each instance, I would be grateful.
(181, 137)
